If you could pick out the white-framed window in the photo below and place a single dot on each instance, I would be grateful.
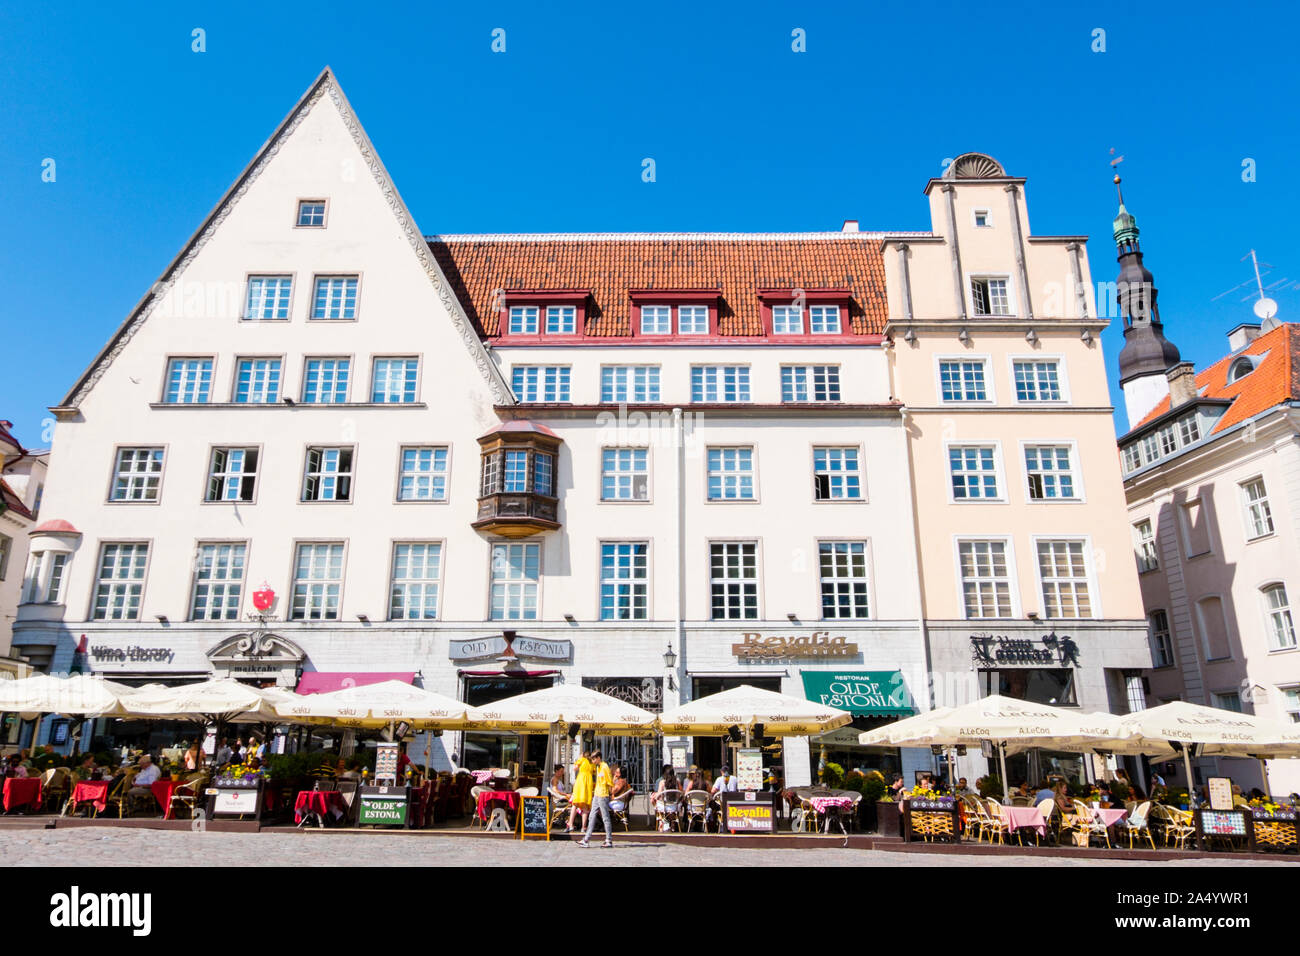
(268, 298)
(1151, 448)
(218, 581)
(119, 581)
(625, 474)
(325, 381)
(985, 578)
(824, 319)
(1063, 572)
(624, 581)
(1162, 644)
(137, 474)
(541, 383)
(1227, 701)
(257, 381)
(423, 474)
(232, 475)
(962, 380)
(719, 383)
(561, 319)
(317, 581)
(523, 319)
(733, 580)
(973, 472)
(311, 212)
(328, 474)
(629, 383)
(1291, 703)
(1259, 516)
(1050, 473)
(1277, 609)
(656, 319)
(417, 573)
(1189, 429)
(189, 381)
(731, 474)
(1132, 457)
(394, 381)
(989, 296)
(516, 573)
(810, 383)
(787, 320)
(844, 580)
(1037, 380)
(1144, 546)
(45, 574)
(693, 320)
(837, 474)
(981, 218)
(335, 297)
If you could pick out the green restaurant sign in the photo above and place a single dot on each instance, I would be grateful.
(863, 694)
(377, 810)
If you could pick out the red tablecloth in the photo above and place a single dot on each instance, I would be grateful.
(1024, 818)
(509, 797)
(320, 802)
(163, 791)
(95, 791)
(22, 792)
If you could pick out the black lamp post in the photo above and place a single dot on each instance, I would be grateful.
(670, 663)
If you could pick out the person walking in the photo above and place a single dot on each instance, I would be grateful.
(600, 802)
(580, 801)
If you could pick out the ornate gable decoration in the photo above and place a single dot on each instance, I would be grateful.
(325, 84)
(975, 166)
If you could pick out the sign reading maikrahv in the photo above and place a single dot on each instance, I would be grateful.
(1047, 650)
(787, 647)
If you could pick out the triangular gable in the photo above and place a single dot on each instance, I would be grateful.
(324, 85)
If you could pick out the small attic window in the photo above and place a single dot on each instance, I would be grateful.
(981, 217)
(1240, 368)
(311, 212)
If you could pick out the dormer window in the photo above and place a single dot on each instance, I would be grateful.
(561, 319)
(1241, 368)
(523, 320)
(556, 313)
(665, 312)
(804, 312)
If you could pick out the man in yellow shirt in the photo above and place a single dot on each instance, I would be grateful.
(600, 801)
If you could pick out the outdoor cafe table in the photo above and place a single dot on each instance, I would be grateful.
(509, 797)
(94, 792)
(825, 805)
(22, 792)
(482, 777)
(319, 804)
(1108, 817)
(1024, 818)
(163, 791)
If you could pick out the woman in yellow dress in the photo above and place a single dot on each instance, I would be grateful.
(583, 787)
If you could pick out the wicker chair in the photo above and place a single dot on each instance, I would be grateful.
(696, 808)
(1135, 824)
(996, 823)
(1085, 822)
(668, 810)
(1173, 824)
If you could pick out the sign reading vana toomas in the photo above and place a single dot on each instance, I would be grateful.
(863, 694)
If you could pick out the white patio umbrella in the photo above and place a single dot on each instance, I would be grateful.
(781, 715)
(1005, 720)
(218, 702)
(537, 711)
(378, 705)
(1217, 732)
(74, 695)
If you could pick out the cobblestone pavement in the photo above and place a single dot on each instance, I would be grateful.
(119, 846)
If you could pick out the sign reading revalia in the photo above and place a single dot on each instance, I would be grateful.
(786, 647)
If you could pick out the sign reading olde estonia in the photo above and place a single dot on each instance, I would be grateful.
(1048, 650)
(490, 648)
(780, 647)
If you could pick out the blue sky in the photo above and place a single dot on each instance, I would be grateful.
(549, 136)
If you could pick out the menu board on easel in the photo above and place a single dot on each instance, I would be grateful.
(749, 768)
(534, 817)
(386, 763)
(1220, 793)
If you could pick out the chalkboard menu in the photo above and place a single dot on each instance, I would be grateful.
(535, 817)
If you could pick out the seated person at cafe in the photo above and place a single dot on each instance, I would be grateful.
(148, 775)
(694, 780)
(667, 781)
(726, 782)
(1044, 793)
(559, 786)
(1062, 796)
(193, 757)
(620, 792)
(963, 787)
(224, 752)
(1135, 792)
(16, 768)
(86, 769)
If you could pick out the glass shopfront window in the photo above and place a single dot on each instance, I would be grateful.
(712, 752)
(484, 750)
(1054, 686)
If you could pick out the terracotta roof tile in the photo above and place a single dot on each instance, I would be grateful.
(609, 266)
(1276, 379)
(11, 502)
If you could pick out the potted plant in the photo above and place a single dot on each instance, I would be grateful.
(832, 775)
(873, 798)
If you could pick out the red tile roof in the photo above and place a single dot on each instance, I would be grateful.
(1276, 379)
(609, 265)
(11, 502)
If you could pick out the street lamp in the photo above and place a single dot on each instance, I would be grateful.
(670, 663)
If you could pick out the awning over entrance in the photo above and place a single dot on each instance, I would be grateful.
(861, 693)
(321, 682)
